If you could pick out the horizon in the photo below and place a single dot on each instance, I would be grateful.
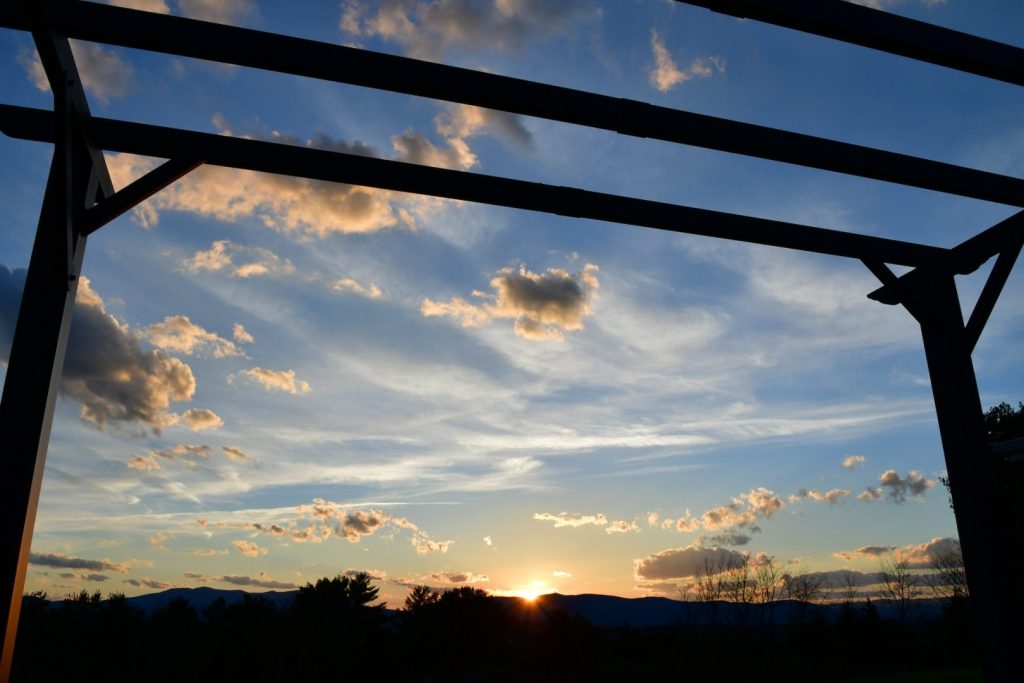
(304, 380)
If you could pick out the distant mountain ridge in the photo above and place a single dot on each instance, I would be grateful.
(605, 611)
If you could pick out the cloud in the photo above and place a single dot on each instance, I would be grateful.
(831, 496)
(333, 519)
(156, 6)
(105, 75)
(348, 285)
(896, 488)
(679, 563)
(249, 549)
(158, 540)
(106, 370)
(665, 74)
(851, 461)
(151, 461)
(155, 584)
(264, 580)
(240, 334)
(559, 574)
(178, 333)
(565, 519)
(290, 205)
(208, 552)
(274, 380)
(237, 260)
(488, 542)
(427, 28)
(218, 11)
(744, 510)
(723, 539)
(235, 453)
(542, 305)
(917, 555)
(198, 419)
(454, 578)
(358, 523)
(622, 527)
(461, 121)
(65, 562)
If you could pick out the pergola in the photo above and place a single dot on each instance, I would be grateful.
(80, 199)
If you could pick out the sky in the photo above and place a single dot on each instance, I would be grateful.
(270, 380)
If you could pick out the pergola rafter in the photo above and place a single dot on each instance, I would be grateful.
(80, 199)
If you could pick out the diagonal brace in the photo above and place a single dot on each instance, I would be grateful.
(137, 192)
(990, 293)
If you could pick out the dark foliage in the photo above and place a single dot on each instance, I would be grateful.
(333, 630)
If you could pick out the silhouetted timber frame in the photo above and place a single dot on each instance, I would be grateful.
(80, 198)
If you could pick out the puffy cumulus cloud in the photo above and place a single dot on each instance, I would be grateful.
(456, 578)
(237, 260)
(333, 520)
(831, 496)
(355, 524)
(565, 519)
(666, 74)
(273, 380)
(235, 453)
(680, 563)
(179, 334)
(158, 540)
(62, 561)
(198, 419)
(144, 462)
(896, 488)
(249, 549)
(104, 73)
(218, 11)
(461, 121)
(240, 334)
(414, 148)
(653, 518)
(264, 580)
(156, 6)
(347, 285)
(427, 28)
(916, 555)
(744, 510)
(543, 305)
(106, 369)
(308, 208)
(734, 539)
(622, 527)
(851, 461)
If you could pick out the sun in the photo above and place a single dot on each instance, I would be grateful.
(532, 591)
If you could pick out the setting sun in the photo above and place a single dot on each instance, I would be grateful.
(531, 591)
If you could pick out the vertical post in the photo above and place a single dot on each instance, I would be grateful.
(978, 501)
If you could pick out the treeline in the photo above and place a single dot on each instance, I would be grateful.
(335, 628)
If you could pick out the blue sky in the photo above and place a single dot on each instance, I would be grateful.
(305, 379)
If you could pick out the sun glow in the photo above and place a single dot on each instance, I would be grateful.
(531, 591)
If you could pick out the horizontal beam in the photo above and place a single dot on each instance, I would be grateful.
(316, 164)
(336, 63)
(965, 257)
(883, 31)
